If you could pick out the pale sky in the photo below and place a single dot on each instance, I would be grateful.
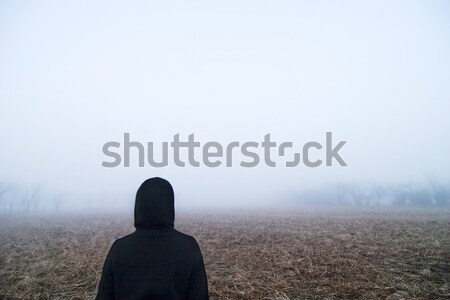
(77, 74)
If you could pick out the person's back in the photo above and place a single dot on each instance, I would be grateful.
(156, 261)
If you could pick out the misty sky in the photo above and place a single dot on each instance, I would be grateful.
(77, 74)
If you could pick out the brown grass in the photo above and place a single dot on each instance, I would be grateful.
(334, 255)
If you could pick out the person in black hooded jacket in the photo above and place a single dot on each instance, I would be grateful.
(156, 261)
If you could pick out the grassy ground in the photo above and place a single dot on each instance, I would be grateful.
(301, 255)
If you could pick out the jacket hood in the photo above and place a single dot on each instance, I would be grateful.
(154, 207)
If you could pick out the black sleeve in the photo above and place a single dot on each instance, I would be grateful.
(106, 285)
(198, 283)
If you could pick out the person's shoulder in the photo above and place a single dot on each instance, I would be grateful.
(191, 246)
(186, 238)
(119, 242)
(124, 238)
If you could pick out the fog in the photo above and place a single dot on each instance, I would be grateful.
(76, 75)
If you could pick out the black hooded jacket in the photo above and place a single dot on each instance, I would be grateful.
(156, 261)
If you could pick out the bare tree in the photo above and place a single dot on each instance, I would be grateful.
(342, 191)
(12, 199)
(440, 193)
(378, 192)
(357, 195)
(5, 188)
(401, 194)
(57, 200)
(30, 199)
(421, 197)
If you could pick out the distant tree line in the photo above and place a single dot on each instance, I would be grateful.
(430, 194)
(15, 198)
(21, 199)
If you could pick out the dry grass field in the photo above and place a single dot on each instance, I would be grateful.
(301, 255)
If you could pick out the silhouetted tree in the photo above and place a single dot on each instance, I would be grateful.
(421, 197)
(342, 191)
(57, 200)
(30, 199)
(440, 193)
(378, 193)
(401, 194)
(5, 189)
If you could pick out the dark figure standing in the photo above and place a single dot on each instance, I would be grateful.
(156, 261)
